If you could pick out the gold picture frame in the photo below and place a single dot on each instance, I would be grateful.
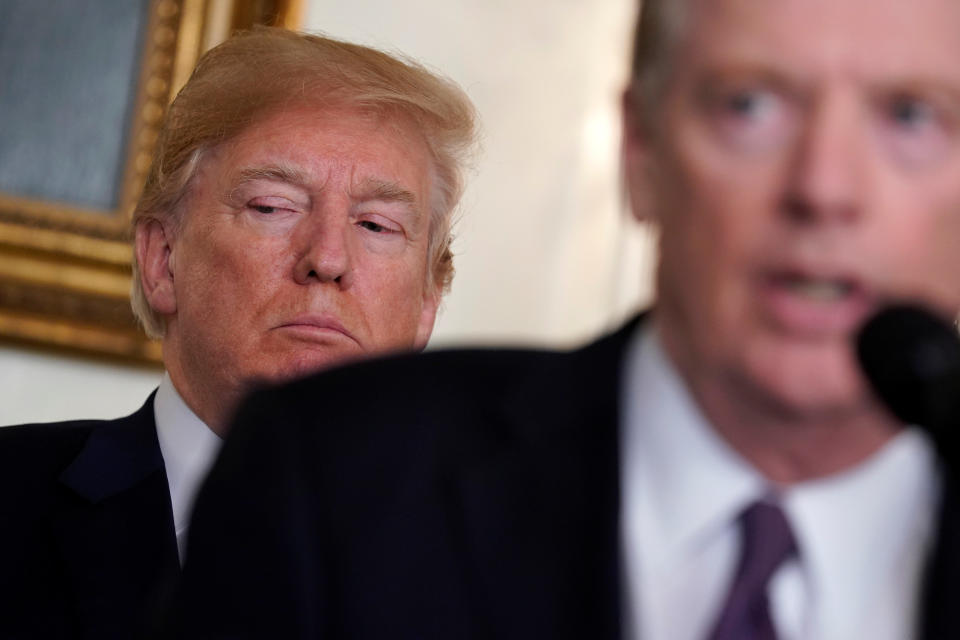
(65, 269)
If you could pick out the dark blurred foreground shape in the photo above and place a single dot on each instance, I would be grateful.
(487, 508)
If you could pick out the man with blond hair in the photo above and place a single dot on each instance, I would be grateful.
(297, 215)
(716, 469)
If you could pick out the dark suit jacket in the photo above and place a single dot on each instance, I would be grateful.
(87, 533)
(450, 495)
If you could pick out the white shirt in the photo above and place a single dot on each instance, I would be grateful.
(189, 448)
(862, 534)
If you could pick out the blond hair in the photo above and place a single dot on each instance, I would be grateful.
(256, 73)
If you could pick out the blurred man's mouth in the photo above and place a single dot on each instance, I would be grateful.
(816, 289)
(815, 305)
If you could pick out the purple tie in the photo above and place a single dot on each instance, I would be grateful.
(767, 543)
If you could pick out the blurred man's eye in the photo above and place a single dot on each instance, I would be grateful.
(751, 119)
(262, 208)
(915, 130)
(749, 104)
(911, 112)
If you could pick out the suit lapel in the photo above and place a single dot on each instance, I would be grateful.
(116, 456)
(541, 515)
(116, 537)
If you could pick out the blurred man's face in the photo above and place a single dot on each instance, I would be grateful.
(805, 166)
(304, 244)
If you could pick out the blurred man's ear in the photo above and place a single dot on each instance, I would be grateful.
(154, 256)
(637, 158)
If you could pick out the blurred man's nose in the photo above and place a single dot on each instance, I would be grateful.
(827, 172)
(322, 245)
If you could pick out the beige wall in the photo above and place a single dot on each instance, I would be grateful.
(545, 252)
(37, 386)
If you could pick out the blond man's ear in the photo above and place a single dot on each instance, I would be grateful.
(428, 316)
(155, 257)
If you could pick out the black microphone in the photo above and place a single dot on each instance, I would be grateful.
(911, 357)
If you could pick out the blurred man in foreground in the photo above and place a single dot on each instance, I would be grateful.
(717, 468)
(297, 215)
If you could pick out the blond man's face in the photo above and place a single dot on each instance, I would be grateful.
(304, 243)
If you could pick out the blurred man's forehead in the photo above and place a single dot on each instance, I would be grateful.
(872, 39)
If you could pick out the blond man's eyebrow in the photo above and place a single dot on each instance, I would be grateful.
(385, 191)
(272, 172)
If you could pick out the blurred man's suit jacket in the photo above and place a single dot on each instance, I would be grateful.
(449, 495)
(87, 534)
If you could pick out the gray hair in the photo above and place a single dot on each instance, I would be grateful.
(657, 30)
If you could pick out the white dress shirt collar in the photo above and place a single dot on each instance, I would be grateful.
(188, 447)
(862, 534)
